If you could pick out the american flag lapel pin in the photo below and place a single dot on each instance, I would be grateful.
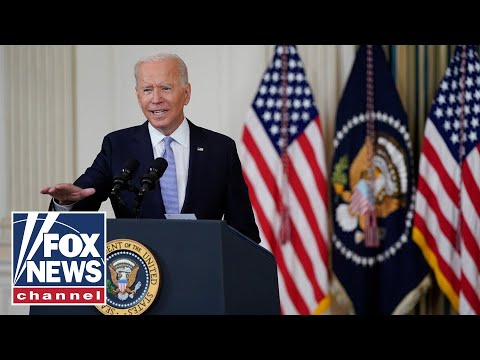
(199, 149)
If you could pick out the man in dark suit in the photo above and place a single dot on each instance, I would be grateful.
(209, 181)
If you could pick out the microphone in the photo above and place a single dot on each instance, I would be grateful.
(155, 172)
(121, 181)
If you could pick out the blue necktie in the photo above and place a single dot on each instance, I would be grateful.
(168, 182)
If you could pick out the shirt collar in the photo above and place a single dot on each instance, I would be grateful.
(180, 135)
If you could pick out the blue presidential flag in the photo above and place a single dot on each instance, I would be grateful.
(373, 256)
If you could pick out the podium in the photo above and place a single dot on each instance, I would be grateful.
(207, 268)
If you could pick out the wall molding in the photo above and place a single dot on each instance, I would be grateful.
(40, 118)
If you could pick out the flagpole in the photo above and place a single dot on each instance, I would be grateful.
(285, 215)
(461, 147)
(371, 229)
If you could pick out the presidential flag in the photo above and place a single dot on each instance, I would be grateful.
(283, 160)
(372, 193)
(447, 210)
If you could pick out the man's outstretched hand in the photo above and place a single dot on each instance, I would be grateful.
(67, 194)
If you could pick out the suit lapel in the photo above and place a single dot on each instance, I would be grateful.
(143, 147)
(195, 165)
(152, 206)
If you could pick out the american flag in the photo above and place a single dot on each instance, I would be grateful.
(447, 210)
(362, 199)
(283, 160)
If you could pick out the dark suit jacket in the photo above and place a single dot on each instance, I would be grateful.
(215, 186)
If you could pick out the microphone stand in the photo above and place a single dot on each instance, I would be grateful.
(137, 202)
(124, 211)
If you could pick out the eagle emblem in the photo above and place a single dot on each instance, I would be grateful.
(123, 273)
(389, 187)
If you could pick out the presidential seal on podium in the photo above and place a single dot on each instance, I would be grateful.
(133, 278)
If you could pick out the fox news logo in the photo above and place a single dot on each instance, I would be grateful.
(58, 258)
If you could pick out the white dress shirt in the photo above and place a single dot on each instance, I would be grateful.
(181, 151)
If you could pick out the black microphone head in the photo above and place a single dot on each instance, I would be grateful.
(155, 172)
(120, 181)
(130, 166)
(158, 166)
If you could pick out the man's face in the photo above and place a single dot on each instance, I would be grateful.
(161, 94)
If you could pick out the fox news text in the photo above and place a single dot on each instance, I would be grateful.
(58, 258)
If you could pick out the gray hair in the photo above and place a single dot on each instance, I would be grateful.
(182, 67)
